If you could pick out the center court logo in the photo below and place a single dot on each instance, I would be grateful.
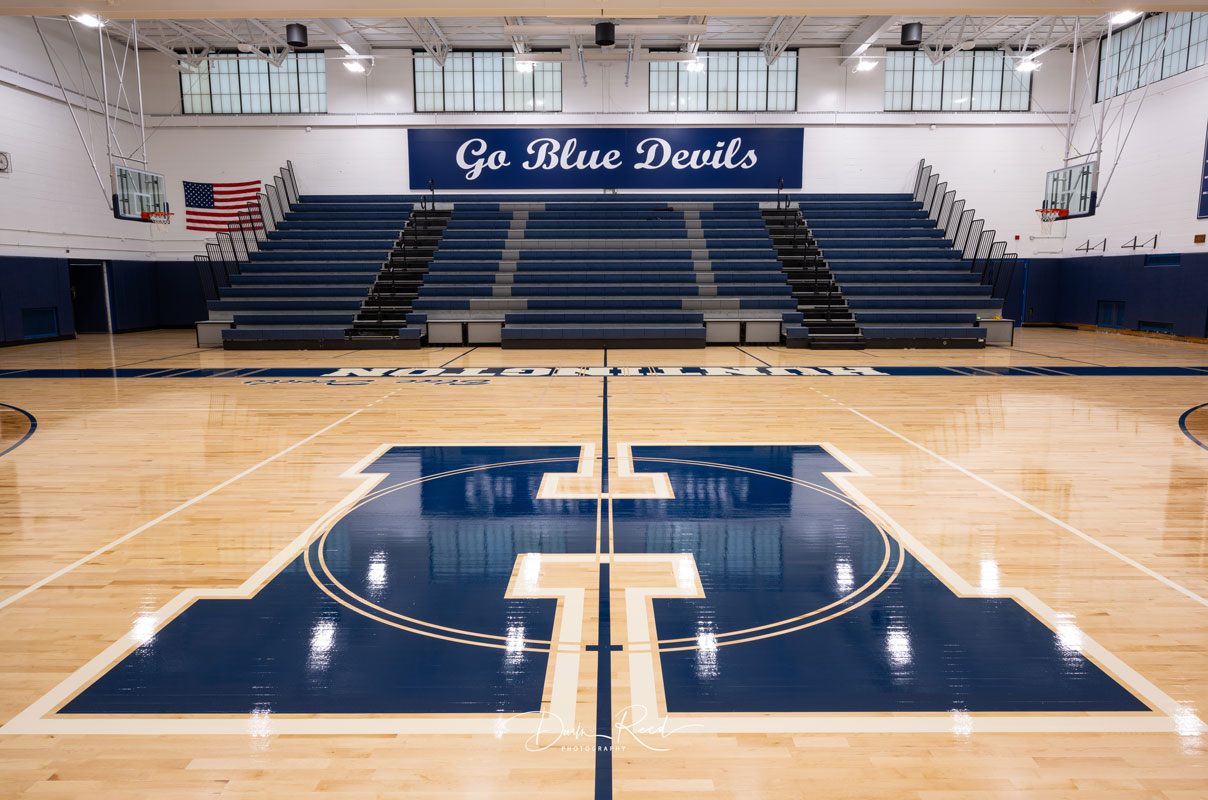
(631, 725)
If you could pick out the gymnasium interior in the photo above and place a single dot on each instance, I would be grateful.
(592, 401)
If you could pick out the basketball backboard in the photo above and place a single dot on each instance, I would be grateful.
(1074, 188)
(136, 191)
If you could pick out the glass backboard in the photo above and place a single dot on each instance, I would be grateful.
(1075, 188)
(136, 191)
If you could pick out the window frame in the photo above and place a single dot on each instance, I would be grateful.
(503, 90)
(1100, 61)
(238, 93)
(1003, 88)
(735, 84)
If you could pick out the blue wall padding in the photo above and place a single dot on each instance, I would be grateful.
(142, 294)
(1069, 290)
(32, 283)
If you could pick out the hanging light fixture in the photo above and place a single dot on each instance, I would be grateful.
(89, 20)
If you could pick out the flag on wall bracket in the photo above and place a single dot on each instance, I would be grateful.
(213, 206)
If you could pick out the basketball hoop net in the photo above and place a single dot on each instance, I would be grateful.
(1048, 216)
(162, 219)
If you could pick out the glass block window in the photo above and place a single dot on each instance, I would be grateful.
(731, 80)
(235, 83)
(972, 80)
(1152, 48)
(312, 82)
(486, 81)
(986, 94)
(195, 90)
(283, 84)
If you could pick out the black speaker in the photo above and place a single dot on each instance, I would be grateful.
(912, 34)
(606, 34)
(295, 35)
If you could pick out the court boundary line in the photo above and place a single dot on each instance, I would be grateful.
(33, 426)
(1183, 590)
(1182, 425)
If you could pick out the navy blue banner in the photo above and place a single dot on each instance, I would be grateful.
(1203, 210)
(605, 158)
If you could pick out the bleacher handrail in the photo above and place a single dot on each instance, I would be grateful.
(970, 237)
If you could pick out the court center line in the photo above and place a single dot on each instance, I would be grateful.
(603, 773)
(1039, 511)
(757, 358)
(1063, 358)
(451, 360)
(192, 352)
(128, 536)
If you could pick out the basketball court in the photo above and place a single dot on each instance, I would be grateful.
(444, 541)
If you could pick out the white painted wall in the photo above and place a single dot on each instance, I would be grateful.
(53, 204)
(995, 161)
(1149, 178)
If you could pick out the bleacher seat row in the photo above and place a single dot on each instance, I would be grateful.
(675, 271)
(305, 285)
(903, 281)
(610, 272)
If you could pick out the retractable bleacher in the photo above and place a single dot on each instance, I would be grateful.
(904, 282)
(305, 285)
(610, 271)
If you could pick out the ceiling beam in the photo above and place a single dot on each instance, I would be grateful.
(571, 52)
(589, 9)
(781, 34)
(275, 58)
(543, 29)
(185, 32)
(272, 34)
(865, 36)
(1060, 41)
(430, 37)
(346, 36)
(693, 43)
(190, 58)
(518, 45)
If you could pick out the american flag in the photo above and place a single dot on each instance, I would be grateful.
(211, 206)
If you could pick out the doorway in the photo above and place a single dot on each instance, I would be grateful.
(89, 281)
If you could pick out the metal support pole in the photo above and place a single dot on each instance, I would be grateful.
(138, 77)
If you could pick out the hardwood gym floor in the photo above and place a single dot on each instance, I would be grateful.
(951, 582)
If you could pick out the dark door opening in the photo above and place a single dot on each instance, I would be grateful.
(89, 282)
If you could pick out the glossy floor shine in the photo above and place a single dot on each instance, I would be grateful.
(252, 575)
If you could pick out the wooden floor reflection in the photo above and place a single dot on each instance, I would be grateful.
(1084, 491)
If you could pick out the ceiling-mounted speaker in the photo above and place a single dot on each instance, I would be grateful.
(912, 34)
(606, 34)
(295, 35)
